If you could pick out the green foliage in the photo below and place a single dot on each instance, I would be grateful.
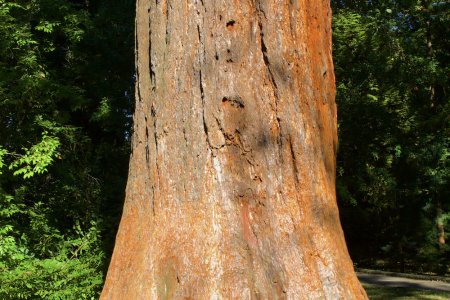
(3, 153)
(391, 60)
(42, 263)
(37, 158)
(65, 91)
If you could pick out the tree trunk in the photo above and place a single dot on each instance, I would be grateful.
(429, 40)
(231, 188)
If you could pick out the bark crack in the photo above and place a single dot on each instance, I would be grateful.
(147, 150)
(153, 200)
(202, 91)
(150, 62)
(155, 136)
(261, 14)
(294, 161)
(168, 4)
(266, 60)
(136, 50)
(205, 125)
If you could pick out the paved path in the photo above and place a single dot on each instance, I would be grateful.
(403, 282)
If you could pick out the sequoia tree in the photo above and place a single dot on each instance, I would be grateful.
(231, 188)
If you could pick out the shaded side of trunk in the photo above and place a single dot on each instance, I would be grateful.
(231, 190)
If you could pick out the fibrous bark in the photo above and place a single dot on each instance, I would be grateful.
(231, 188)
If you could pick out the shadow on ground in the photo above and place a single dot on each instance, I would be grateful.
(377, 292)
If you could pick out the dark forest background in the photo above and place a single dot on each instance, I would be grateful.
(66, 103)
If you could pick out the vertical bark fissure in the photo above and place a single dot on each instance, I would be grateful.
(202, 91)
(150, 62)
(266, 60)
(261, 14)
(136, 51)
(202, 96)
(153, 199)
(138, 84)
(294, 162)
(155, 136)
(168, 4)
(147, 149)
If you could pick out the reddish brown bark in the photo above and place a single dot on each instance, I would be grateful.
(231, 189)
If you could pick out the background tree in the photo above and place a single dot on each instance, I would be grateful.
(231, 188)
(393, 165)
(64, 121)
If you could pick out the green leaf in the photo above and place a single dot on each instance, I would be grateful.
(37, 158)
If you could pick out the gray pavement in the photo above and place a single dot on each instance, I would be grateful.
(392, 281)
